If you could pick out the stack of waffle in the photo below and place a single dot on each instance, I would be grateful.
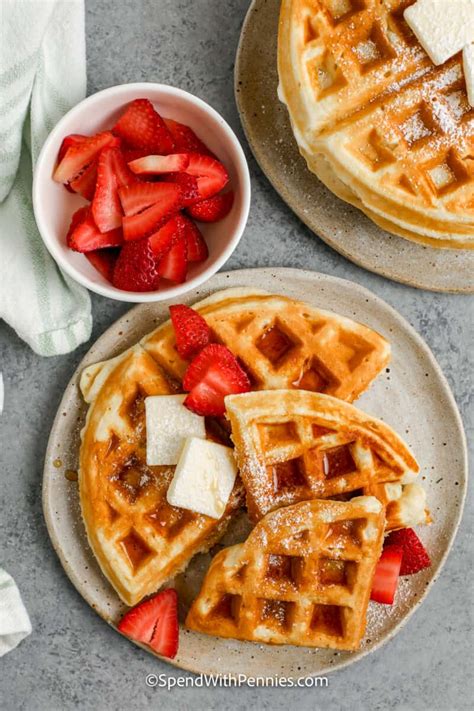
(382, 126)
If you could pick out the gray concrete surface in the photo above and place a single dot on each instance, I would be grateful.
(72, 659)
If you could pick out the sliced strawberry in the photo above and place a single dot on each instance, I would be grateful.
(196, 247)
(112, 174)
(415, 557)
(210, 173)
(187, 183)
(190, 329)
(205, 401)
(185, 139)
(79, 155)
(138, 197)
(384, 584)
(85, 182)
(78, 218)
(106, 207)
(142, 127)
(104, 261)
(123, 174)
(174, 264)
(155, 623)
(136, 268)
(213, 374)
(71, 140)
(130, 154)
(156, 165)
(162, 240)
(84, 236)
(150, 220)
(212, 209)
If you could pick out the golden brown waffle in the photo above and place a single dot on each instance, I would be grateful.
(396, 131)
(139, 540)
(295, 445)
(302, 577)
(282, 343)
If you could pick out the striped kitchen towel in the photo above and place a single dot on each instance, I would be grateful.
(42, 75)
(15, 624)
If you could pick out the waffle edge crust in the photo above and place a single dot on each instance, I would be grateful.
(302, 577)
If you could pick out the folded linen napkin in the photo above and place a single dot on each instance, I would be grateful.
(15, 624)
(42, 75)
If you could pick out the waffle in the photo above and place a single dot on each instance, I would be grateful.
(293, 446)
(139, 540)
(302, 577)
(394, 130)
(282, 343)
(321, 167)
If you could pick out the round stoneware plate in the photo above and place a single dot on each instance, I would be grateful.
(343, 227)
(412, 395)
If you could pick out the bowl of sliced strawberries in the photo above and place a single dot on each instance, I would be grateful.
(141, 192)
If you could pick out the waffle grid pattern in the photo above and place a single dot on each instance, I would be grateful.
(302, 577)
(315, 449)
(286, 344)
(397, 131)
(139, 539)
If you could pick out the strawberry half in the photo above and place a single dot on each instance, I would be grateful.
(104, 261)
(136, 198)
(136, 268)
(106, 207)
(142, 224)
(155, 623)
(156, 165)
(134, 153)
(210, 173)
(415, 557)
(213, 374)
(384, 584)
(196, 248)
(212, 209)
(174, 264)
(71, 140)
(142, 127)
(190, 329)
(187, 183)
(162, 240)
(85, 182)
(124, 176)
(185, 140)
(79, 155)
(112, 175)
(84, 236)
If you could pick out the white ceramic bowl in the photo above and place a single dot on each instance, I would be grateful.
(54, 206)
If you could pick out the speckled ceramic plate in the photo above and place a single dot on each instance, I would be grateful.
(343, 227)
(412, 395)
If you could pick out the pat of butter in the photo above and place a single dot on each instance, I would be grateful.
(468, 66)
(168, 424)
(442, 28)
(204, 478)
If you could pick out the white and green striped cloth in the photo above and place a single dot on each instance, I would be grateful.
(42, 75)
(15, 624)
